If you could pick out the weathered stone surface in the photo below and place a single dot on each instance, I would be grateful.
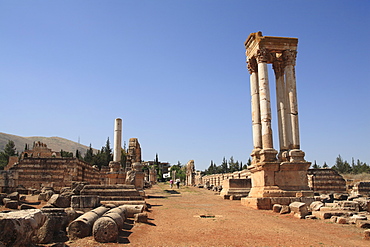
(59, 201)
(11, 204)
(276, 208)
(328, 214)
(353, 219)
(106, 229)
(363, 203)
(54, 227)
(349, 205)
(299, 208)
(363, 224)
(85, 201)
(367, 234)
(315, 206)
(141, 217)
(18, 227)
(82, 226)
(333, 219)
(342, 220)
(285, 209)
(14, 196)
(131, 210)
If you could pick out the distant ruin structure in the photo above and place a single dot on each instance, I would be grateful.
(116, 175)
(133, 153)
(275, 173)
(41, 167)
(190, 173)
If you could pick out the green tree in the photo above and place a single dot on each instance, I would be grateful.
(224, 167)
(233, 166)
(180, 171)
(342, 166)
(315, 165)
(9, 150)
(89, 155)
(66, 154)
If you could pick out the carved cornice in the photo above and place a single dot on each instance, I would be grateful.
(252, 65)
(289, 57)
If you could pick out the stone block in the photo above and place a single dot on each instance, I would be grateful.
(285, 209)
(328, 214)
(12, 204)
(299, 209)
(363, 224)
(367, 234)
(276, 208)
(85, 201)
(14, 196)
(349, 205)
(257, 203)
(307, 200)
(281, 200)
(311, 217)
(19, 227)
(316, 205)
(141, 217)
(59, 201)
(333, 219)
(353, 219)
(342, 220)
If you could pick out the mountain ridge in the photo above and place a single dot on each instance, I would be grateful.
(55, 143)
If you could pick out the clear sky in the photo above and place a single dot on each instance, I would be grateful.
(175, 72)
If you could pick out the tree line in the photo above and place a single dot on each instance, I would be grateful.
(227, 166)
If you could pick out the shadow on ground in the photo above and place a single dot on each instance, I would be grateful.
(172, 192)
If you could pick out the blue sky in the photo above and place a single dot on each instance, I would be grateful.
(175, 72)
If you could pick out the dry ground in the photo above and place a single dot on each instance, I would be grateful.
(174, 221)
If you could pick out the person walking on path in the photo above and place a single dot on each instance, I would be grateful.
(171, 183)
(178, 183)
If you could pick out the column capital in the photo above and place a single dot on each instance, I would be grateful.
(278, 66)
(289, 57)
(252, 65)
(263, 56)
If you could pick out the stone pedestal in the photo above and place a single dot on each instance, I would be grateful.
(235, 187)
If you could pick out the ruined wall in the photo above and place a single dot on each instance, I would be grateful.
(217, 179)
(57, 172)
(326, 181)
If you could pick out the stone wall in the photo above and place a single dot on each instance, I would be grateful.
(326, 181)
(56, 172)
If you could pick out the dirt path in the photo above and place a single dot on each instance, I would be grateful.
(174, 221)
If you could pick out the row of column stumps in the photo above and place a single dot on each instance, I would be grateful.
(283, 63)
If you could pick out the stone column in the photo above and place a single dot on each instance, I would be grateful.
(268, 153)
(289, 57)
(256, 115)
(117, 140)
(283, 122)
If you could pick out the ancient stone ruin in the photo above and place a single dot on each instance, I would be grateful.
(274, 174)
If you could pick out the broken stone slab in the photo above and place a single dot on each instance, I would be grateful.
(299, 209)
(141, 218)
(18, 227)
(363, 203)
(276, 208)
(353, 219)
(342, 220)
(311, 217)
(367, 234)
(12, 204)
(131, 210)
(328, 214)
(54, 226)
(59, 201)
(333, 219)
(13, 196)
(120, 203)
(316, 205)
(340, 196)
(363, 224)
(349, 205)
(285, 209)
(82, 226)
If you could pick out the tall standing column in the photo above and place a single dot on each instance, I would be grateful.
(117, 140)
(291, 92)
(255, 103)
(264, 94)
(283, 122)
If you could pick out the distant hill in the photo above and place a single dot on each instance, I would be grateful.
(54, 143)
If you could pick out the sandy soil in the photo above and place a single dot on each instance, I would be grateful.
(175, 221)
